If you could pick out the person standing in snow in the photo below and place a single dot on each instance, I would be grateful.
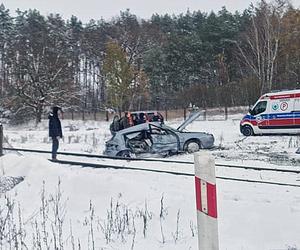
(130, 120)
(126, 121)
(157, 117)
(55, 131)
(141, 118)
(115, 125)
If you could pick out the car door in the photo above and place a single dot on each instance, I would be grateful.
(296, 112)
(137, 142)
(260, 112)
(162, 140)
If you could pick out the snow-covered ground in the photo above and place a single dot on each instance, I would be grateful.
(122, 209)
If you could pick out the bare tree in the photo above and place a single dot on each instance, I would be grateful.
(259, 45)
(41, 69)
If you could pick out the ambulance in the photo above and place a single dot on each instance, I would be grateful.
(273, 113)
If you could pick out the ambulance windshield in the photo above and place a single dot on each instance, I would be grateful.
(259, 108)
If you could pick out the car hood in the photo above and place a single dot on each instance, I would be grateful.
(192, 117)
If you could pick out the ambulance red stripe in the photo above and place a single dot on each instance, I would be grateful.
(279, 122)
(253, 122)
(284, 96)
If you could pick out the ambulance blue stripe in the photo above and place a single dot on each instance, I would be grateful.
(290, 115)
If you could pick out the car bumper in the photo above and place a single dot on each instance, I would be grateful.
(208, 142)
(110, 152)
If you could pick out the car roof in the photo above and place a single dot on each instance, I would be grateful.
(147, 112)
(138, 127)
(144, 126)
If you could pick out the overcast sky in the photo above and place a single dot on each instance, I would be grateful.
(95, 9)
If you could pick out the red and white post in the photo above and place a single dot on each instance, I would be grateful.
(206, 201)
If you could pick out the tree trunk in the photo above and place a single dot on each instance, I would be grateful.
(38, 113)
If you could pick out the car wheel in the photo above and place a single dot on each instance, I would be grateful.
(192, 146)
(126, 154)
(247, 130)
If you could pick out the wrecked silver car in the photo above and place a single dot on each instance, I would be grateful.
(156, 138)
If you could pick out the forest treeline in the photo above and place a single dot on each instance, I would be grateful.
(127, 63)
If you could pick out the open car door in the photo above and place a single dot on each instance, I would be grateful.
(137, 142)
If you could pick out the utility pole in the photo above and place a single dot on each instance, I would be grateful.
(1, 139)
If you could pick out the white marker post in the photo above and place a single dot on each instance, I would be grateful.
(206, 201)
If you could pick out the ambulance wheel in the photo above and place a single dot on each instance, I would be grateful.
(247, 130)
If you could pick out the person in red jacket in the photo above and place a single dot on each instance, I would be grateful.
(130, 120)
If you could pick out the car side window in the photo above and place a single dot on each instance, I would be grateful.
(259, 108)
(157, 130)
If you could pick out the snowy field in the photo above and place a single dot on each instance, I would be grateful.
(82, 208)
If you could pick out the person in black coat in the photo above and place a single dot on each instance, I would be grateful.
(141, 118)
(115, 125)
(124, 121)
(157, 117)
(55, 131)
